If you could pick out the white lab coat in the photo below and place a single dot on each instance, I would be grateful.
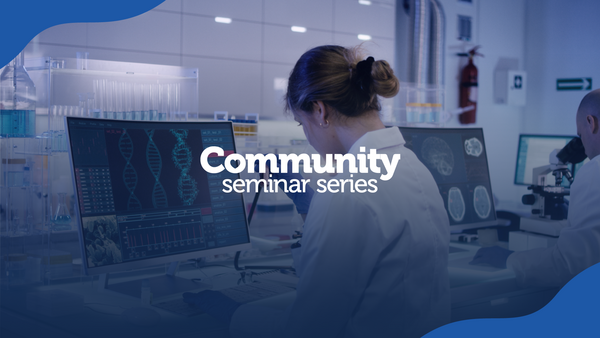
(371, 264)
(578, 245)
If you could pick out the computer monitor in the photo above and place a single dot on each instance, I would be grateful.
(143, 197)
(457, 160)
(534, 151)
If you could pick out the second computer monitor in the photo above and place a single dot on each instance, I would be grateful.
(457, 160)
(534, 151)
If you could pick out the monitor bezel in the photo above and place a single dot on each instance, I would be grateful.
(153, 261)
(519, 147)
(478, 225)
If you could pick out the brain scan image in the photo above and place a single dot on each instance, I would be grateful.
(481, 201)
(456, 204)
(473, 147)
(437, 154)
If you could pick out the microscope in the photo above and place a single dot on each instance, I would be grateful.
(549, 210)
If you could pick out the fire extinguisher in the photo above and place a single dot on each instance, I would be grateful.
(468, 89)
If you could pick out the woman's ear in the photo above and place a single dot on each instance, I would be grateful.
(321, 113)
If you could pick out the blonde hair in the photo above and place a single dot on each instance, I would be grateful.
(330, 74)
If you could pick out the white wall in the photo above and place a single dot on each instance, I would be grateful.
(562, 41)
(237, 62)
(498, 26)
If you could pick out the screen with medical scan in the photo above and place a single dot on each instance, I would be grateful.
(534, 151)
(457, 160)
(143, 195)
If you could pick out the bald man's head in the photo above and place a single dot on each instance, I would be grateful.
(588, 128)
(590, 105)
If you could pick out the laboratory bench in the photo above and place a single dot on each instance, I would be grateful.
(83, 309)
(476, 291)
(486, 292)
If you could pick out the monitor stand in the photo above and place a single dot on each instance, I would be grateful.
(160, 286)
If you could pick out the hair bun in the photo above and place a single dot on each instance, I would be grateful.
(385, 83)
(342, 79)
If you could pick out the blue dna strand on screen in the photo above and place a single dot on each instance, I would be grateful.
(154, 161)
(130, 177)
(181, 155)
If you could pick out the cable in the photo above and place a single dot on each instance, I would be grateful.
(250, 214)
(237, 254)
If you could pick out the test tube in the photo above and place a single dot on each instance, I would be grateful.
(163, 103)
(119, 104)
(109, 109)
(127, 100)
(94, 110)
(153, 100)
(145, 90)
(137, 99)
(83, 103)
(174, 103)
(97, 107)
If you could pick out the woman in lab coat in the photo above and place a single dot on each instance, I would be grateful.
(369, 264)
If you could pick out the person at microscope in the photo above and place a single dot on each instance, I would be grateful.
(578, 245)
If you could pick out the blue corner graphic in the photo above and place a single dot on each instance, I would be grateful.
(22, 20)
(572, 313)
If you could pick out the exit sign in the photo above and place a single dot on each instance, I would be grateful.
(578, 83)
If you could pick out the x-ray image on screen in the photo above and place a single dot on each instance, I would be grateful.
(457, 160)
(456, 204)
(481, 202)
(438, 155)
(442, 153)
(473, 147)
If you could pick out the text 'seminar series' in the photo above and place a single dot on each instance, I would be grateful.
(360, 163)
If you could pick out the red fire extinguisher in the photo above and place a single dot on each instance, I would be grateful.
(468, 89)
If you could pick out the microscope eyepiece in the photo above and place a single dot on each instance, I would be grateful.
(573, 152)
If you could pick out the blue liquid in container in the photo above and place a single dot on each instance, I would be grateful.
(17, 123)
(61, 223)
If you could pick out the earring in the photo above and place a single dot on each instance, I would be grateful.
(324, 125)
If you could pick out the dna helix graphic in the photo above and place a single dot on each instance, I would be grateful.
(130, 177)
(154, 161)
(187, 187)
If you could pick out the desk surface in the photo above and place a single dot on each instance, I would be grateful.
(100, 315)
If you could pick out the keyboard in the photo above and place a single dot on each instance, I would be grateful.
(242, 294)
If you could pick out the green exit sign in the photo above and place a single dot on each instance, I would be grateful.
(578, 83)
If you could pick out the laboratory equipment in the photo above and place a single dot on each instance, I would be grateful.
(457, 159)
(548, 207)
(22, 185)
(424, 106)
(62, 218)
(34, 164)
(17, 100)
(144, 199)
